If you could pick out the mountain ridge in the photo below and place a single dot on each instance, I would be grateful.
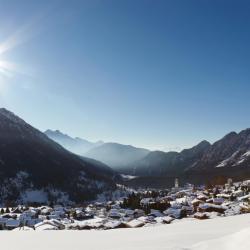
(158, 163)
(30, 161)
(113, 154)
(232, 150)
(76, 145)
(228, 157)
(116, 155)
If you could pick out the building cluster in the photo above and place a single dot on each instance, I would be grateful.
(138, 209)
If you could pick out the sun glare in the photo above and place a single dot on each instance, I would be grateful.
(6, 72)
(21, 35)
(6, 68)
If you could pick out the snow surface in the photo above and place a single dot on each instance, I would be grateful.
(234, 158)
(226, 161)
(228, 233)
(128, 177)
(247, 154)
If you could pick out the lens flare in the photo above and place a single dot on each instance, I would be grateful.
(6, 68)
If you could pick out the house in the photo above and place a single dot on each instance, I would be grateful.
(114, 213)
(207, 207)
(201, 216)
(155, 213)
(32, 222)
(135, 223)
(112, 224)
(174, 212)
(218, 201)
(195, 202)
(49, 225)
(46, 226)
(3, 220)
(45, 210)
(138, 213)
(12, 223)
(164, 219)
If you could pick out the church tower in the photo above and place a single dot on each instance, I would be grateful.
(176, 185)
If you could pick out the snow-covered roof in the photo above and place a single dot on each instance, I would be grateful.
(12, 223)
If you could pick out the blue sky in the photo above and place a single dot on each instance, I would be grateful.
(156, 74)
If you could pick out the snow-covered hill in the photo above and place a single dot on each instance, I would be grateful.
(228, 233)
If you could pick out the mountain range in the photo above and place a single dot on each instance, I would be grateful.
(204, 163)
(228, 157)
(76, 145)
(117, 155)
(158, 163)
(35, 168)
(113, 154)
(230, 152)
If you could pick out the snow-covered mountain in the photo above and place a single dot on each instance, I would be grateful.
(228, 157)
(76, 145)
(158, 163)
(233, 150)
(34, 167)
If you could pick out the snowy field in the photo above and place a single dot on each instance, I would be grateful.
(229, 233)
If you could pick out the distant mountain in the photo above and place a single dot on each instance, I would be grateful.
(204, 163)
(116, 155)
(35, 168)
(158, 163)
(76, 145)
(232, 151)
(228, 157)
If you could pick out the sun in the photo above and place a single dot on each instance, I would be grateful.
(18, 36)
(6, 68)
(3, 68)
(7, 71)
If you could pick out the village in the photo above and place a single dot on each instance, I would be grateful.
(140, 208)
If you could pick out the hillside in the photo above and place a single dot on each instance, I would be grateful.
(32, 167)
(233, 150)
